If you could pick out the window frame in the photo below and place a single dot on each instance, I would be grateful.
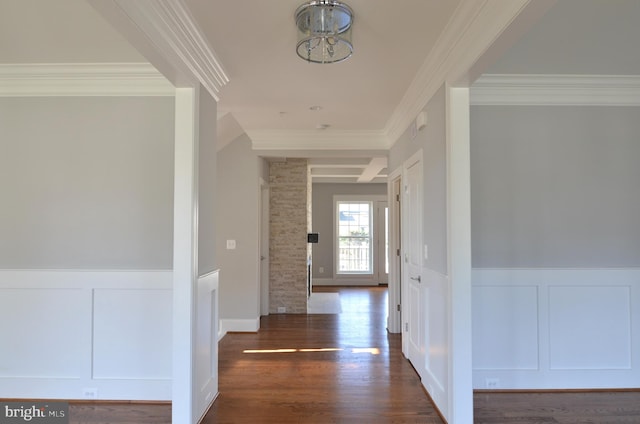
(372, 274)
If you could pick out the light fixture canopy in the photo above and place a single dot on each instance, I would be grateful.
(324, 31)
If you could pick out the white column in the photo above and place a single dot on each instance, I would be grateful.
(459, 254)
(185, 253)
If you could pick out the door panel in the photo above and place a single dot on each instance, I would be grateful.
(382, 225)
(264, 250)
(414, 335)
(413, 263)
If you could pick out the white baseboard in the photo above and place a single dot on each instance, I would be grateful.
(238, 325)
(343, 282)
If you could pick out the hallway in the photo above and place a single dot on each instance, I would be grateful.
(321, 368)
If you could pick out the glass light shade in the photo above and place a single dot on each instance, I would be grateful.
(324, 31)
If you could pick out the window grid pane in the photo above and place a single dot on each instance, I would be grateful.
(354, 237)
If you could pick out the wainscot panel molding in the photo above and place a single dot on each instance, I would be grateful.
(556, 328)
(79, 334)
(206, 361)
(435, 375)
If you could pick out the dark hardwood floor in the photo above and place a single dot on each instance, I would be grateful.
(119, 413)
(345, 368)
(556, 407)
(323, 368)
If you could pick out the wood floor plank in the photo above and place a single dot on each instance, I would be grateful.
(325, 368)
(119, 413)
(582, 407)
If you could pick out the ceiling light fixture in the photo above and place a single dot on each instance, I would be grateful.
(324, 31)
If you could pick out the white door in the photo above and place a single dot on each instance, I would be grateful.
(394, 324)
(382, 230)
(264, 250)
(412, 302)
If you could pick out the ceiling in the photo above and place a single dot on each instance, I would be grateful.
(273, 94)
(272, 91)
(271, 88)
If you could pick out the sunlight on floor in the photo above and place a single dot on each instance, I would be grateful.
(370, 350)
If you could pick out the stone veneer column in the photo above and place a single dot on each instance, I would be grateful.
(289, 186)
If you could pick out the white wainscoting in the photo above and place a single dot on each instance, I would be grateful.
(206, 361)
(436, 336)
(66, 331)
(556, 328)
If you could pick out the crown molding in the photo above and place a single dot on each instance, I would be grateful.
(317, 140)
(82, 79)
(568, 90)
(170, 27)
(474, 26)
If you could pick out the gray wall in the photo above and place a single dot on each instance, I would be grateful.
(555, 186)
(433, 142)
(323, 254)
(238, 216)
(86, 183)
(207, 184)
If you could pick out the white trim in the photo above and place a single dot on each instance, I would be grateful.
(568, 90)
(80, 278)
(460, 396)
(82, 79)
(176, 35)
(185, 253)
(394, 321)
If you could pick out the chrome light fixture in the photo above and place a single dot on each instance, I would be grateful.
(324, 31)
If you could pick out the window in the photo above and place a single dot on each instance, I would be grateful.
(354, 239)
